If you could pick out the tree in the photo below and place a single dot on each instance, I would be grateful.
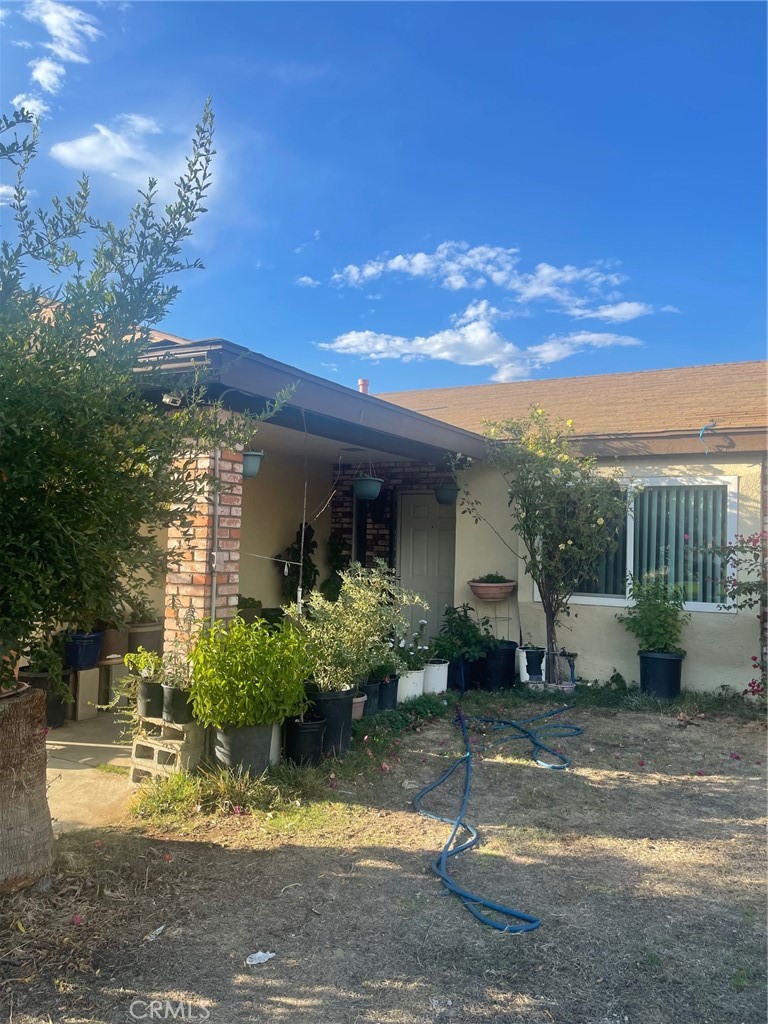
(566, 512)
(91, 469)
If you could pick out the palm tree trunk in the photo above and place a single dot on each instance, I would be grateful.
(26, 836)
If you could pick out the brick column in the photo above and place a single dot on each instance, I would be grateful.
(189, 583)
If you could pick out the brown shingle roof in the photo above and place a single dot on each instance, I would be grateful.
(645, 402)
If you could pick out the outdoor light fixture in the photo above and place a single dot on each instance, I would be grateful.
(173, 398)
(251, 464)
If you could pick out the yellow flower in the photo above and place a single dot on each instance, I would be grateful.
(600, 521)
(556, 471)
(561, 546)
(570, 542)
(569, 423)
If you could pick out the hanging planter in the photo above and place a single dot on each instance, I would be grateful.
(367, 488)
(251, 464)
(498, 589)
(446, 494)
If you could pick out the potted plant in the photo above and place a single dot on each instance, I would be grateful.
(304, 738)
(367, 488)
(492, 587)
(384, 677)
(358, 704)
(248, 608)
(500, 665)
(345, 641)
(45, 671)
(145, 630)
(435, 671)
(82, 648)
(413, 653)
(530, 662)
(146, 681)
(246, 680)
(462, 640)
(656, 618)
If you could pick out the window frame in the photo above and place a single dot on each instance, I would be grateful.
(679, 480)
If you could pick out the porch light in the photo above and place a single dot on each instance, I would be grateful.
(251, 464)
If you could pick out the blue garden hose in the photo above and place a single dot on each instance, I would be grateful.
(512, 731)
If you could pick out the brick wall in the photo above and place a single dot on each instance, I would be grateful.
(380, 529)
(189, 584)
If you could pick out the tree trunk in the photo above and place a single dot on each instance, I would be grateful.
(553, 661)
(26, 836)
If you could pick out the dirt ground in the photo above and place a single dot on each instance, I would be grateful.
(645, 862)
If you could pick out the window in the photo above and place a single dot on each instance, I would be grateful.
(674, 521)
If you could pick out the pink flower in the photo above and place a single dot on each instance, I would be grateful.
(235, 810)
(77, 919)
(385, 767)
(333, 784)
(167, 857)
(99, 844)
(685, 536)
(699, 771)
(641, 763)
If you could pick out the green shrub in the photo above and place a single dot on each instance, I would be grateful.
(249, 673)
(657, 616)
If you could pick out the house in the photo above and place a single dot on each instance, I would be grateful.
(694, 439)
(650, 424)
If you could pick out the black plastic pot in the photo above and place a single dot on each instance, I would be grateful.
(149, 699)
(458, 674)
(660, 674)
(177, 707)
(335, 706)
(388, 693)
(55, 704)
(244, 746)
(304, 740)
(478, 673)
(82, 650)
(371, 691)
(534, 661)
(500, 666)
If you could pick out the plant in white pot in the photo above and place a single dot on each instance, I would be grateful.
(247, 678)
(414, 653)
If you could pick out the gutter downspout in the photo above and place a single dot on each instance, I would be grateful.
(214, 555)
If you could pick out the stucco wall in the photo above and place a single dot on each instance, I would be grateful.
(719, 644)
(272, 510)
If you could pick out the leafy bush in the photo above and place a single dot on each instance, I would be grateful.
(362, 629)
(657, 617)
(462, 634)
(491, 577)
(249, 673)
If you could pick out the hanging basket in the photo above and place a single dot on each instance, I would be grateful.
(251, 464)
(367, 488)
(446, 494)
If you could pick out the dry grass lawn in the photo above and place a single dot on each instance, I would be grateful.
(648, 878)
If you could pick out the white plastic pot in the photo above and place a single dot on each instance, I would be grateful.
(522, 666)
(410, 685)
(436, 676)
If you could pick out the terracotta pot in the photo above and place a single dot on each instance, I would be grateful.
(492, 591)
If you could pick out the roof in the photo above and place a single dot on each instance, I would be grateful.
(243, 379)
(647, 403)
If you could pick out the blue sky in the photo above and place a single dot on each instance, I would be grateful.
(431, 194)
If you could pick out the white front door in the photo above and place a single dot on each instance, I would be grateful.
(426, 554)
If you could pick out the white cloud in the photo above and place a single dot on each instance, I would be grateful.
(617, 313)
(457, 266)
(48, 74)
(669, 309)
(473, 340)
(307, 282)
(6, 195)
(69, 28)
(28, 101)
(121, 152)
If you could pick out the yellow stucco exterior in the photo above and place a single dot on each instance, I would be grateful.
(719, 644)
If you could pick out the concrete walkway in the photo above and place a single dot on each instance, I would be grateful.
(80, 793)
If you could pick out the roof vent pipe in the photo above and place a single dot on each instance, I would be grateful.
(363, 384)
